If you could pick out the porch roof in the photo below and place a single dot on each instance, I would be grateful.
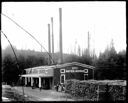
(36, 75)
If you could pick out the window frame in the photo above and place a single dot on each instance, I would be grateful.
(61, 70)
(85, 70)
(85, 75)
(61, 78)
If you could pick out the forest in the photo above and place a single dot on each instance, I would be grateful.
(108, 65)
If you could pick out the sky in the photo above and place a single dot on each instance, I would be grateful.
(103, 20)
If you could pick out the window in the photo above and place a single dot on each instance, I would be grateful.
(62, 70)
(85, 76)
(85, 70)
(62, 78)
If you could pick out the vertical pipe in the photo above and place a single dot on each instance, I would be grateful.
(52, 40)
(49, 44)
(61, 55)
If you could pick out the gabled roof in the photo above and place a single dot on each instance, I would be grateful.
(63, 65)
(74, 63)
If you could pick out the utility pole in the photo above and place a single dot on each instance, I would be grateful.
(52, 40)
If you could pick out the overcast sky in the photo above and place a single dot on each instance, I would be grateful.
(103, 20)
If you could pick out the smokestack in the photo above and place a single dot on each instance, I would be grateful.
(49, 45)
(88, 44)
(61, 54)
(52, 40)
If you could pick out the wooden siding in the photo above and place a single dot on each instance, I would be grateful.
(73, 72)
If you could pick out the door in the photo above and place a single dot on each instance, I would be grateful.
(85, 76)
(62, 78)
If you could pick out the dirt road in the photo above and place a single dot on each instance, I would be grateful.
(44, 95)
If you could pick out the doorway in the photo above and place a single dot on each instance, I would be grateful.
(85, 76)
(46, 83)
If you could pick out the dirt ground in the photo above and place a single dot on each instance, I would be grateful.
(43, 95)
(10, 94)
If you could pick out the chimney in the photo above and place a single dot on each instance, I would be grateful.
(49, 45)
(52, 40)
(61, 54)
(88, 44)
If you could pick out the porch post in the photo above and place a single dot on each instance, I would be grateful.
(31, 81)
(93, 73)
(39, 82)
(25, 81)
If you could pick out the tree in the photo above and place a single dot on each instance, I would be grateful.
(110, 65)
(26, 58)
(108, 57)
(10, 71)
(122, 58)
(79, 50)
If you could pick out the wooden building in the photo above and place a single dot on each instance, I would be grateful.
(49, 76)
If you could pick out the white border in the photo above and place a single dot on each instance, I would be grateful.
(61, 70)
(84, 76)
(61, 76)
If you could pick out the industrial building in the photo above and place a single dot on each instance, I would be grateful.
(49, 76)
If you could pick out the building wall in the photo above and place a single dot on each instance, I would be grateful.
(46, 71)
(40, 71)
(72, 72)
(56, 77)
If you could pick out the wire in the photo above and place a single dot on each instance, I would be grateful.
(15, 57)
(11, 47)
(29, 34)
